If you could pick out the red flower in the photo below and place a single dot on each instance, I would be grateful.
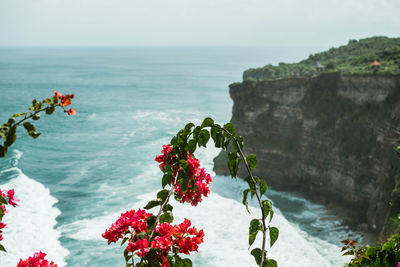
(38, 260)
(11, 199)
(142, 245)
(131, 218)
(58, 95)
(65, 101)
(71, 111)
(162, 242)
(198, 178)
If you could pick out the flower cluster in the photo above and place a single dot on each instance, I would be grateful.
(168, 238)
(199, 180)
(38, 260)
(135, 220)
(186, 238)
(65, 100)
(6, 197)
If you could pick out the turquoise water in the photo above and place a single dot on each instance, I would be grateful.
(83, 171)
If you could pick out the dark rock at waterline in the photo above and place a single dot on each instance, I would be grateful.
(330, 137)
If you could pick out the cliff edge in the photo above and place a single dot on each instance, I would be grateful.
(330, 136)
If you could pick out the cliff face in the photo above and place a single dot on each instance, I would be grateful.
(330, 137)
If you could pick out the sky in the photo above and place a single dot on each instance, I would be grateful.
(195, 22)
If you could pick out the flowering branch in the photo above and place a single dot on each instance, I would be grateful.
(254, 182)
(8, 129)
(155, 238)
(8, 134)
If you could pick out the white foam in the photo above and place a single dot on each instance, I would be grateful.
(225, 222)
(31, 225)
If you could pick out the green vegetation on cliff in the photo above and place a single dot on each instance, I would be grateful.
(355, 58)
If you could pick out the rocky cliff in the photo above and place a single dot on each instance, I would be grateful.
(330, 137)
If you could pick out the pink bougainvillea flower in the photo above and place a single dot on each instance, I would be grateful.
(11, 199)
(38, 260)
(135, 219)
(199, 180)
(141, 244)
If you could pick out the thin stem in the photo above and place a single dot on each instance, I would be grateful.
(161, 208)
(256, 192)
(30, 116)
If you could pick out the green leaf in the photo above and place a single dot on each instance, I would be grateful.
(188, 127)
(11, 121)
(207, 122)
(267, 207)
(2, 248)
(240, 141)
(226, 143)
(271, 214)
(192, 146)
(19, 115)
(233, 163)
(187, 263)
(166, 179)
(214, 131)
(257, 252)
(196, 132)
(166, 217)
(167, 168)
(370, 251)
(245, 193)
(219, 140)
(387, 246)
(203, 138)
(153, 203)
(140, 235)
(3, 200)
(36, 117)
(34, 135)
(177, 197)
(126, 256)
(47, 101)
(263, 187)
(50, 110)
(181, 142)
(255, 226)
(151, 221)
(184, 166)
(163, 194)
(251, 161)
(11, 137)
(31, 129)
(270, 263)
(184, 182)
(230, 128)
(167, 207)
(249, 181)
(273, 235)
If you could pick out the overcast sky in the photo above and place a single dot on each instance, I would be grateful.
(195, 22)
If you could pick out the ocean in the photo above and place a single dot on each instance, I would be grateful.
(84, 170)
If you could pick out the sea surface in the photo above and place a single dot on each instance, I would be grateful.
(84, 170)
